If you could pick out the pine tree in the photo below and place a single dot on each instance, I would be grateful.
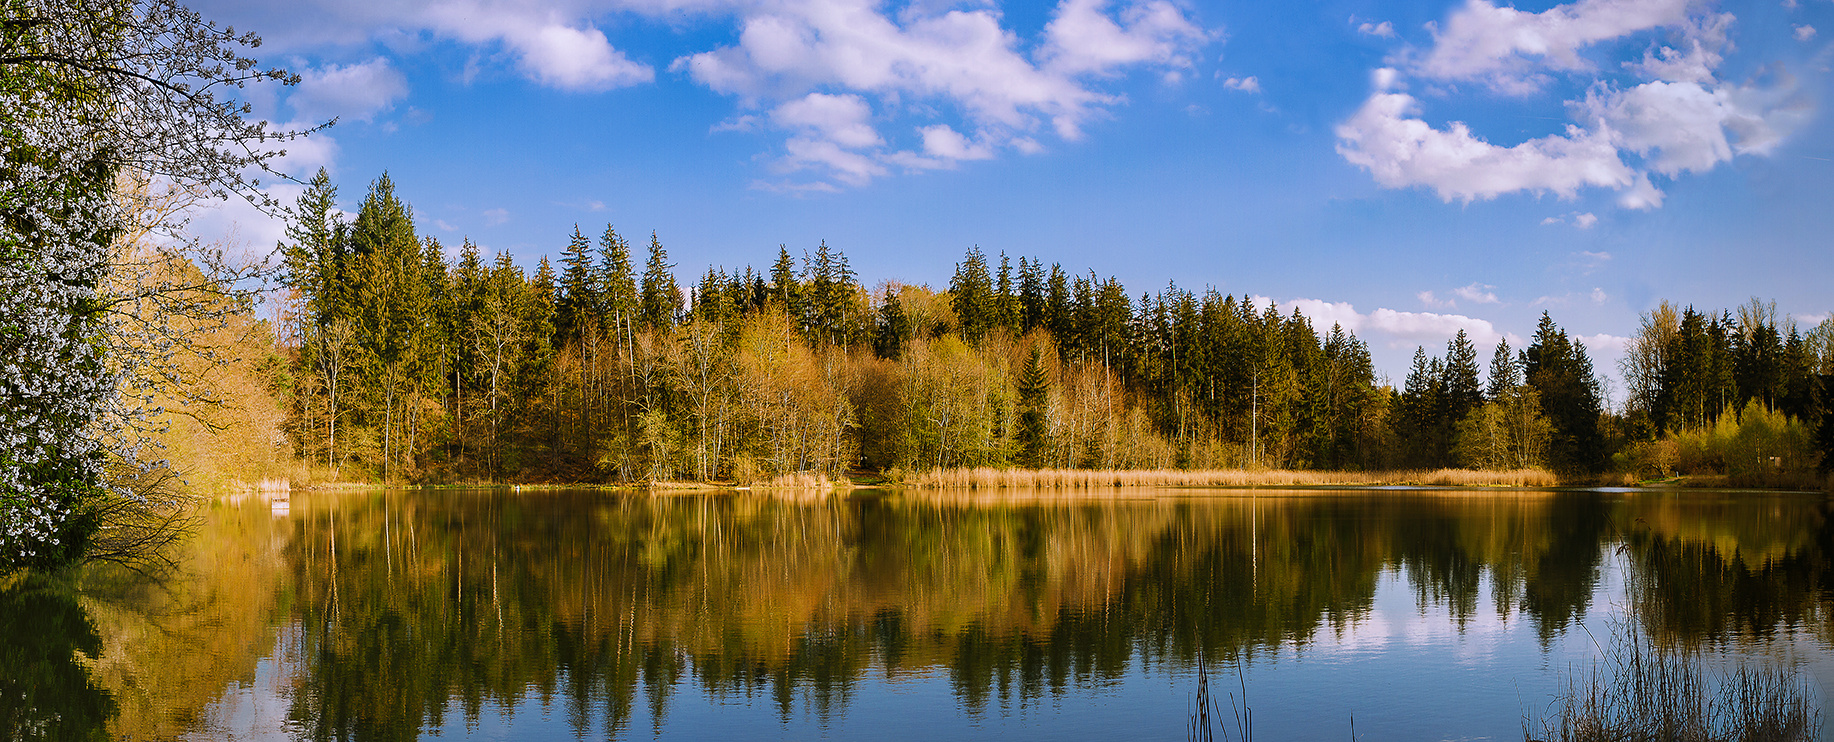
(1461, 393)
(1505, 374)
(1033, 433)
(971, 295)
(312, 257)
(661, 298)
(579, 290)
(1006, 303)
(785, 289)
(1031, 296)
(617, 282)
(1561, 373)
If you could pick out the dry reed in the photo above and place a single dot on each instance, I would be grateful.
(1090, 479)
(802, 480)
(1653, 692)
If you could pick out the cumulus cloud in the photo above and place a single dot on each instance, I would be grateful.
(550, 43)
(1397, 329)
(930, 63)
(842, 119)
(1431, 301)
(1675, 118)
(353, 92)
(1082, 38)
(1805, 32)
(574, 58)
(1383, 30)
(1389, 139)
(1510, 50)
(1477, 293)
(1245, 84)
(1582, 220)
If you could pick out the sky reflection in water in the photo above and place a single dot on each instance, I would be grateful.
(552, 615)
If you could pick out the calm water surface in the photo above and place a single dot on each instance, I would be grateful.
(490, 614)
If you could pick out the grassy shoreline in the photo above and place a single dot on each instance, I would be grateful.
(1066, 480)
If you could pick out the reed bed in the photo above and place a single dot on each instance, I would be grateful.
(1651, 692)
(1095, 479)
(802, 480)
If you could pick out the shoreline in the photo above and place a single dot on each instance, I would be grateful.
(987, 479)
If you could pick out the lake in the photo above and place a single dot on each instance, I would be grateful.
(567, 614)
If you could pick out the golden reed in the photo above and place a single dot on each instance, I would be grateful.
(991, 478)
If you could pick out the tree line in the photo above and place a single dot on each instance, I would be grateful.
(410, 365)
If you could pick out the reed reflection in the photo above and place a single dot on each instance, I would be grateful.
(408, 611)
(418, 602)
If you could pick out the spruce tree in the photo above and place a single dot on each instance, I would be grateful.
(661, 302)
(1505, 374)
(617, 282)
(579, 292)
(971, 295)
(1561, 373)
(1034, 385)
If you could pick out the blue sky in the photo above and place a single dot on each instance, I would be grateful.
(1407, 169)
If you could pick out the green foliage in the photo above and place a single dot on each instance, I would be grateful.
(1034, 431)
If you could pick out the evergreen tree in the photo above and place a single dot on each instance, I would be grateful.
(617, 282)
(1561, 373)
(971, 295)
(1033, 433)
(1006, 303)
(785, 289)
(894, 327)
(579, 290)
(1031, 295)
(1058, 312)
(312, 256)
(1505, 374)
(661, 298)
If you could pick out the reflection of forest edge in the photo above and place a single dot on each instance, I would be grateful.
(412, 605)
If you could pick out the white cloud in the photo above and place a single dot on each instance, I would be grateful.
(1805, 32)
(1245, 84)
(1477, 293)
(1599, 296)
(574, 58)
(1581, 220)
(444, 226)
(1384, 29)
(353, 92)
(1082, 38)
(1679, 119)
(1387, 325)
(931, 63)
(842, 119)
(1603, 346)
(1702, 43)
(847, 166)
(494, 217)
(551, 43)
(1387, 137)
(1509, 49)
(942, 141)
(1430, 301)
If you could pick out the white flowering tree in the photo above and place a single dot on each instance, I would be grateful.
(94, 93)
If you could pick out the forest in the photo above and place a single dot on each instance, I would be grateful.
(401, 364)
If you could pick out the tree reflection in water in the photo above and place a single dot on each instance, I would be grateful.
(414, 610)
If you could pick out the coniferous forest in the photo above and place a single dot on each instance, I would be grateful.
(411, 366)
